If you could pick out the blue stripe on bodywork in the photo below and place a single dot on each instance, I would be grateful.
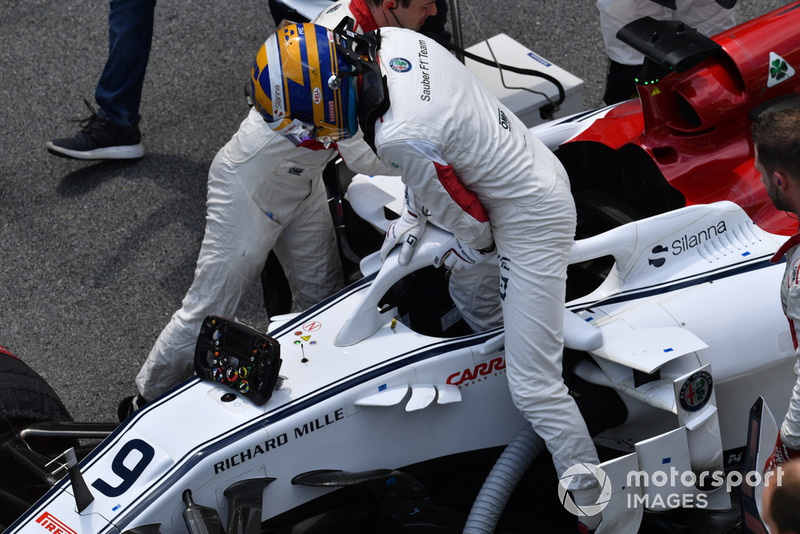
(755, 264)
(191, 459)
(201, 451)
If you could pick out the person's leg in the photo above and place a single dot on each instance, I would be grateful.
(474, 292)
(130, 34)
(237, 238)
(254, 191)
(113, 131)
(624, 62)
(706, 16)
(308, 251)
(533, 308)
(533, 244)
(614, 14)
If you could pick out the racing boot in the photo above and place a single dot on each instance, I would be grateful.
(128, 405)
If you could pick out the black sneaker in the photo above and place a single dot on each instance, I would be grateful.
(99, 138)
(128, 405)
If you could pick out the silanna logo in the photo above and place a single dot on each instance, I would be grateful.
(684, 243)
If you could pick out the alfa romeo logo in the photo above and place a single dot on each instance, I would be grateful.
(399, 64)
(696, 391)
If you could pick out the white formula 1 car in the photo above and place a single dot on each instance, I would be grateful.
(378, 411)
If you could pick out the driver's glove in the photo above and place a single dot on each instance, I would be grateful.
(406, 230)
(455, 255)
(781, 454)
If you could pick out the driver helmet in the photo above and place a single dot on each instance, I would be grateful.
(297, 85)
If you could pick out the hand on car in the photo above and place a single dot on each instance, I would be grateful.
(407, 230)
(455, 255)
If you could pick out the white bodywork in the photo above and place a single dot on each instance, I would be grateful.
(363, 391)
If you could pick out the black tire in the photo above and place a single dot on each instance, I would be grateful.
(25, 398)
(599, 211)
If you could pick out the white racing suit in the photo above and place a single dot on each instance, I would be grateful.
(706, 16)
(263, 193)
(790, 300)
(485, 177)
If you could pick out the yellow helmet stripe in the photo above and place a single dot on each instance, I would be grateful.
(260, 71)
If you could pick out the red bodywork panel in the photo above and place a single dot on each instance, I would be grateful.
(709, 156)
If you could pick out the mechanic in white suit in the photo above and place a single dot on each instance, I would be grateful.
(472, 164)
(776, 138)
(708, 17)
(265, 193)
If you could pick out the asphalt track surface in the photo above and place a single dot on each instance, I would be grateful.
(95, 257)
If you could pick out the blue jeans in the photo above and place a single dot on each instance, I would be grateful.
(130, 33)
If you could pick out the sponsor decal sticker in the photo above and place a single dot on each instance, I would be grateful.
(277, 102)
(53, 524)
(424, 67)
(687, 242)
(399, 64)
(696, 391)
(254, 452)
(503, 119)
(779, 70)
(540, 59)
(312, 326)
(478, 373)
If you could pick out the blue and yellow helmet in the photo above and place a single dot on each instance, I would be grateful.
(297, 87)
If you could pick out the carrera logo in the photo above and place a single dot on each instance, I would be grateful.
(477, 373)
(54, 525)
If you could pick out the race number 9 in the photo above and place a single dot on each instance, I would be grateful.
(129, 475)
